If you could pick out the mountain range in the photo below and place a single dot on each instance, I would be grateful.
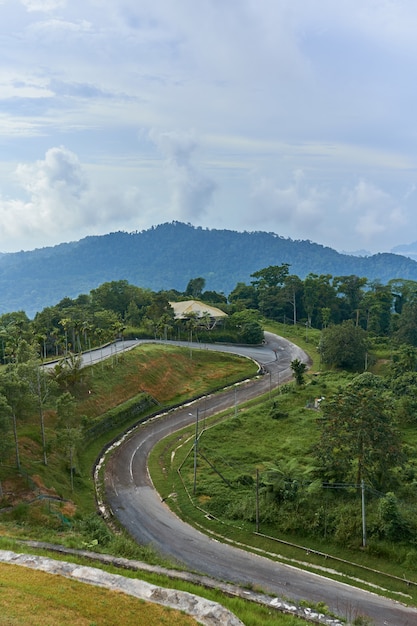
(167, 256)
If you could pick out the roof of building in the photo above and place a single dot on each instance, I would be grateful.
(183, 309)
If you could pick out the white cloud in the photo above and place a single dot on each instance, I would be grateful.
(49, 31)
(43, 5)
(59, 177)
(373, 211)
(62, 199)
(366, 195)
(297, 204)
(191, 189)
(13, 126)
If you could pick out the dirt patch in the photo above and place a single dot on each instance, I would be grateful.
(25, 489)
(17, 489)
(69, 509)
(42, 489)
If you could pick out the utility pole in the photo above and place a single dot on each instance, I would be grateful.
(363, 514)
(195, 452)
(257, 500)
(276, 359)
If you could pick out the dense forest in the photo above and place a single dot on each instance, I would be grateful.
(167, 256)
(118, 309)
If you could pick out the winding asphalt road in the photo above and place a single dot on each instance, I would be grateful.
(133, 500)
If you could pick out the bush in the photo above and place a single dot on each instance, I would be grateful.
(391, 524)
(20, 512)
(276, 412)
(348, 526)
(287, 388)
(245, 479)
(242, 507)
(94, 529)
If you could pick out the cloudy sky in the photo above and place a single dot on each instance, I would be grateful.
(290, 116)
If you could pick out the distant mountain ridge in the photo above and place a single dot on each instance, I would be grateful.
(167, 257)
(409, 250)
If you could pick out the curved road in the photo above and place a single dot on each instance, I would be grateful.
(133, 500)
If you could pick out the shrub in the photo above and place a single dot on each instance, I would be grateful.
(245, 479)
(276, 412)
(391, 524)
(94, 529)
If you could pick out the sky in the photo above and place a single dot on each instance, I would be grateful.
(295, 117)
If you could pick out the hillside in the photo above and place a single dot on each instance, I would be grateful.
(167, 257)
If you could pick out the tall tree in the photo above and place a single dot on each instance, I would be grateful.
(5, 432)
(248, 326)
(271, 276)
(213, 297)
(67, 373)
(20, 400)
(318, 293)
(69, 435)
(358, 436)
(244, 297)
(352, 288)
(14, 327)
(403, 291)
(344, 345)
(160, 306)
(407, 324)
(38, 381)
(195, 287)
(376, 304)
(268, 284)
(113, 296)
(292, 292)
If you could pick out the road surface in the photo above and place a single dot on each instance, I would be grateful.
(133, 500)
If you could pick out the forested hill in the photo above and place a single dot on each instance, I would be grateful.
(167, 257)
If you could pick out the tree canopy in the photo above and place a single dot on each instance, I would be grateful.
(344, 346)
(358, 436)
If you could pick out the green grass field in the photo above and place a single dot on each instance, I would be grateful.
(30, 598)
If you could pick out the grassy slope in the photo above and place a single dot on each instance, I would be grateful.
(169, 374)
(165, 372)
